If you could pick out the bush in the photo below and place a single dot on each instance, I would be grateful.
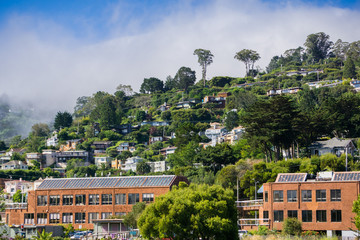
(292, 226)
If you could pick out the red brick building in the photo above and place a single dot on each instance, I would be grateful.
(79, 201)
(322, 204)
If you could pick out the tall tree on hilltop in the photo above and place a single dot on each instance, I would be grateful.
(205, 58)
(318, 46)
(62, 120)
(151, 85)
(249, 57)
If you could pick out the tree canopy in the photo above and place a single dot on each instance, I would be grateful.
(248, 57)
(205, 58)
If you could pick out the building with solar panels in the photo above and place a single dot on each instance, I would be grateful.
(322, 203)
(80, 201)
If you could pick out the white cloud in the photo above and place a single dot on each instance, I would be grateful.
(42, 62)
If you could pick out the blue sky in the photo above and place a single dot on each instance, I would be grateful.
(78, 47)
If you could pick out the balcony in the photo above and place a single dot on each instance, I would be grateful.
(16, 206)
(254, 222)
(250, 204)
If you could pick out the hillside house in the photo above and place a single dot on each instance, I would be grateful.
(335, 146)
(14, 164)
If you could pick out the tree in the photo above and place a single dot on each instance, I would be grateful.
(349, 69)
(170, 83)
(151, 85)
(248, 57)
(2, 146)
(132, 217)
(142, 168)
(205, 58)
(140, 116)
(197, 211)
(44, 236)
(18, 196)
(62, 120)
(292, 226)
(232, 120)
(356, 210)
(185, 77)
(318, 46)
(127, 89)
(40, 130)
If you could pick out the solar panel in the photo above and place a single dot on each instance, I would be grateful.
(291, 177)
(346, 176)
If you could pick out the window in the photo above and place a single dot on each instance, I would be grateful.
(68, 199)
(265, 214)
(41, 218)
(80, 200)
(307, 216)
(41, 200)
(335, 195)
(292, 214)
(54, 200)
(93, 216)
(148, 197)
(29, 218)
(120, 213)
(67, 218)
(54, 218)
(278, 196)
(80, 217)
(106, 199)
(266, 196)
(133, 198)
(321, 195)
(336, 215)
(94, 199)
(306, 195)
(321, 215)
(278, 216)
(292, 196)
(105, 215)
(120, 199)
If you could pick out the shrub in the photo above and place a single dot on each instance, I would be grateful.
(292, 226)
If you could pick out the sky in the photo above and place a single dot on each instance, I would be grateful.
(52, 52)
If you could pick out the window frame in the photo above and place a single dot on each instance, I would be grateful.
(68, 200)
(106, 199)
(306, 216)
(290, 197)
(335, 195)
(54, 200)
(148, 197)
(291, 213)
(321, 216)
(305, 196)
(319, 195)
(120, 199)
(42, 200)
(335, 215)
(136, 197)
(91, 216)
(80, 199)
(278, 215)
(41, 216)
(94, 199)
(80, 217)
(54, 218)
(68, 216)
(278, 195)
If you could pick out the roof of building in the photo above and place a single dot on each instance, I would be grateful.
(332, 143)
(14, 162)
(322, 176)
(291, 177)
(108, 182)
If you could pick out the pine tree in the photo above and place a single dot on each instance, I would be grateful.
(349, 69)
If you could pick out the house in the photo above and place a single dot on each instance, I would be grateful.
(49, 157)
(232, 136)
(126, 146)
(335, 146)
(14, 164)
(167, 151)
(215, 131)
(101, 146)
(80, 201)
(323, 203)
(274, 92)
(156, 139)
(33, 156)
(185, 105)
(219, 100)
(159, 166)
(53, 140)
(130, 163)
(70, 145)
(63, 157)
(12, 186)
(355, 84)
(20, 151)
(164, 107)
(155, 123)
(100, 160)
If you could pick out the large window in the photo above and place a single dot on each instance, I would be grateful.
(105, 215)
(292, 214)
(80, 217)
(336, 215)
(41, 218)
(94, 199)
(93, 216)
(133, 198)
(335, 195)
(68, 199)
(106, 199)
(307, 216)
(54, 217)
(67, 218)
(265, 214)
(321, 195)
(278, 196)
(29, 218)
(80, 200)
(120, 199)
(292, 196)
(148, 197)
(120, 213)
(278, 216)
(306, 196)
(321, 215)
(266, 196)
(54, 200)
(42, 200)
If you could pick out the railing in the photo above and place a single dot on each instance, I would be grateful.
(16, 205)
(254, 221)
(250, 203)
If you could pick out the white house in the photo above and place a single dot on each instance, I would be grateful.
(130, 163)
(12, 186)
(53, 140)
(214, 132)
(159, 166)
(99, 160)
(15, 164)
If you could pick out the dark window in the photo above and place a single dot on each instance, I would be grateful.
(68, 199)
(93, 216)
(93, 199)
(292, 196)
(133, 198)
(266, 196)
(278, 196)
(67, 218)
(42, 200)
(80, 217)
(278, 216)
(41, 218)
(336, 215)
(306, 195)
(321, 215)
(80, 200)
(120, 199)
(29, 218)
(148, 197)
(265, 214)
(54, 200)
(106, 199)
(292, 214)
(307, 216)
(335, 195)
(321, 195)
(54, 218)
